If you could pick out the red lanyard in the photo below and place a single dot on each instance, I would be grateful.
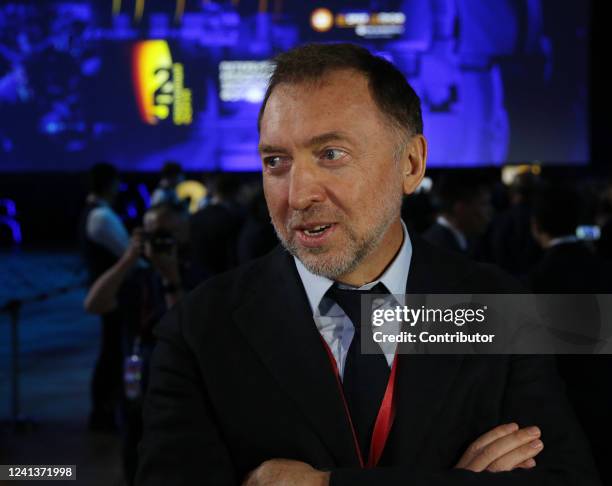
(384, 419)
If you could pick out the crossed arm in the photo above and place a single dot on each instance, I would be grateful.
(503, 448)
(182, 443)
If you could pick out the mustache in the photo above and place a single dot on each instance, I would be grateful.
(313, 214)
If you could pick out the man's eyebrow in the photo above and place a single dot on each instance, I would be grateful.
(327, 137)
(312, 142)
(269, 149)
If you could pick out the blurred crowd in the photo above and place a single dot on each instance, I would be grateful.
(527, 227)
(555, 237)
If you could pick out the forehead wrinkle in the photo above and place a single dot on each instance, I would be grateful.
(341, 103)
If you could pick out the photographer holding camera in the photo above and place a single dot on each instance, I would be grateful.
(142, 293)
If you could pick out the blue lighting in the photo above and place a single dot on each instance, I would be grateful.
(484, 87)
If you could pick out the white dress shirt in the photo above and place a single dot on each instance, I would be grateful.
(331, 321)
(105, 228)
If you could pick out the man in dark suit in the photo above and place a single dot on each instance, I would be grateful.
(465, 210)
(215, 228)
(509, 240)
(568, 266)
(258, 377)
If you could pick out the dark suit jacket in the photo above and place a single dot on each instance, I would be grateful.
(240, 376)
(510, 242)
(572, 268)
(442, 237)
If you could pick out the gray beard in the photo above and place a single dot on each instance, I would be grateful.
(356, 252)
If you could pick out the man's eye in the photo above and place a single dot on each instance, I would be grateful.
(333, 154)
(272, 162)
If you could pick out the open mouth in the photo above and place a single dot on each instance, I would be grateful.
(315, 235)
(317, 230)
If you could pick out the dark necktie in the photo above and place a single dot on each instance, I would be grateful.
(365, 375)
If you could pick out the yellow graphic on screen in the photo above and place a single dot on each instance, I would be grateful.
(194, 191)
(159, 84)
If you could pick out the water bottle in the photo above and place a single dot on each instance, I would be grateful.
(132, 373)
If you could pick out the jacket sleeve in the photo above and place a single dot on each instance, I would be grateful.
(534, 396)
(181, 444)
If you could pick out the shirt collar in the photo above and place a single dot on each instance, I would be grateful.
(394, 278)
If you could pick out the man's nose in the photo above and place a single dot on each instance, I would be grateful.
(305, 186)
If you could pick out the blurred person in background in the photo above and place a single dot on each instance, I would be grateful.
(257, 236)
(171, 176)
(465, 212)
(510, 241)
(215, 227)
(567, 263)
(103, 236)
(568, 266)
(418, 212)
(103, 239)
(141, 295)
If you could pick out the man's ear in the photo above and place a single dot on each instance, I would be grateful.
(413, 163)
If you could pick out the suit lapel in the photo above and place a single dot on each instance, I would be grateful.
(277, 321)
(423, 381)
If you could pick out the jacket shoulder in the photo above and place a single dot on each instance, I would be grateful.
(235, 284)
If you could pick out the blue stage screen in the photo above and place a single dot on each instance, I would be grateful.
(138, 82)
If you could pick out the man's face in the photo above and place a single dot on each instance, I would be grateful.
(155, 221)
(331, 181)
(161, 222)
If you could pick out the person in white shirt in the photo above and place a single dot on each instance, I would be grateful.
(103, 239)
(171, 176)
